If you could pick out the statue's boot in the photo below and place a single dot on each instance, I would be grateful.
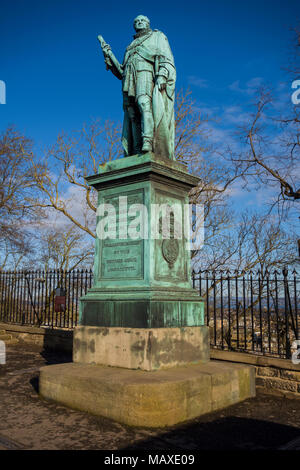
(147, 131)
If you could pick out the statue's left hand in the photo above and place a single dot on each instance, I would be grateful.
(161, 82)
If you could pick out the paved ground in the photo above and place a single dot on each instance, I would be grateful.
(28, 422)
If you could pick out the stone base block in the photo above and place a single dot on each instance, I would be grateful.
(138, 348)
(148, 399)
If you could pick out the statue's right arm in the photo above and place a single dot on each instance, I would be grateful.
(111, 62)
(117, 69)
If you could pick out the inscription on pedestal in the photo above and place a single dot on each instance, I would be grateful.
(122, 258)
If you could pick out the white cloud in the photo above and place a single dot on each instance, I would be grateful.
(235, 86)
(199, 82)
(234, 115)
(254, 83)
(249, 88)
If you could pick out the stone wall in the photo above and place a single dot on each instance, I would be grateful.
(273, 375)
(46, 338)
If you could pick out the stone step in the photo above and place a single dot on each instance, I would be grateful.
(158, 398)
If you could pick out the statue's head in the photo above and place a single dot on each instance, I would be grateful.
(141, 22)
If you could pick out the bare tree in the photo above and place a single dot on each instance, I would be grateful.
(16, 184)
(273, 155)
(64, 248)
(66, 164)
(272, 139)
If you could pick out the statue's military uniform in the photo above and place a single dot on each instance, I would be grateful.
(147, 57)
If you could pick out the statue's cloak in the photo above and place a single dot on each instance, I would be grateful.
(154, 50)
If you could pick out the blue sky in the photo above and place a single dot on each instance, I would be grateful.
(53, 66)
(56, 80)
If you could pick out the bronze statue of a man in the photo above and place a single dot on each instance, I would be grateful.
(148, 81)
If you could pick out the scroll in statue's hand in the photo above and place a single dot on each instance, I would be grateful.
(105, 47)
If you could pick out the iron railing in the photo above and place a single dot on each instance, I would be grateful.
(252, 312)
(28, 297)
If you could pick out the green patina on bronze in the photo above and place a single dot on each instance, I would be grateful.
(148, 77)
(138, 283)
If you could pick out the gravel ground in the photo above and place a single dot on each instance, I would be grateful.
(29, 422)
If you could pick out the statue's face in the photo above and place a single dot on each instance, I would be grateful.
(141, 22)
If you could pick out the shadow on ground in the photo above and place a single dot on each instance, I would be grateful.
(229, 433)
(50, 357)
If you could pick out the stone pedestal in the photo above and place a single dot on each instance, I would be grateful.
(141, 352)
(144, 282)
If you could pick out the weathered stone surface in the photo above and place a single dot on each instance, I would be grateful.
(267, 371)
(277, 384)
(290, 375)
(252, 359)
(149, 399)
(274, 375)
(136, 348)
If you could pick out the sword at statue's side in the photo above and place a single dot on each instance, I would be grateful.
(109, 58)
